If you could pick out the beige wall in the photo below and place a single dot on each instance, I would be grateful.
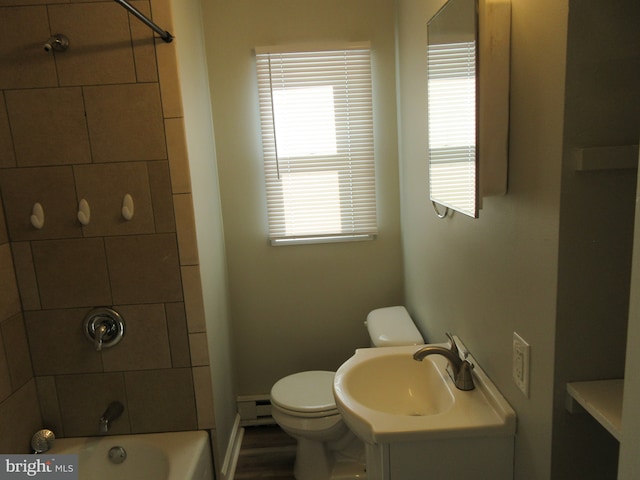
(208, 216)
(297, 307)
(484, 279)
(602, 108)
(629, 459)
(549, 260)
(97, 121)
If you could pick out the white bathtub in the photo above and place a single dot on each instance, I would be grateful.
(153, 456)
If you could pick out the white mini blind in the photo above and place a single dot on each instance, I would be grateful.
(316, 113)
(452, 125)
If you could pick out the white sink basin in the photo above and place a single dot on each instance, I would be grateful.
(396, 384)
(386, 396)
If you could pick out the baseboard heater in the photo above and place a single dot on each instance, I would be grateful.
(254, 410)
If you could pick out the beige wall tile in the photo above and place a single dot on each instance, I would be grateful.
(10, 3)
(49, 126)
(54, 188)
(145, 345)
(49, 405)
(199, 349)
(169, 81)
(162, 14)
(5, 378)
(72, 273)
(161, 400)
(144, 268)
(104, 186)
(125, 122)
(143, 45)
(186, 228)
(26, 275)
(84, 398)
(4, 235)
(9, 296)
(193, 299)
(100, 50)
(24, 64)
(178, 156)
(19, 415)
(17, 351)
(160, 184)
(178, 337)
(204, 397)
(58, 343)
(7, 157)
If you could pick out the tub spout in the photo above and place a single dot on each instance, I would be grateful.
(113, 411)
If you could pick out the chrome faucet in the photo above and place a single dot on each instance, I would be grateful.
(113, 411)
(101, 331)
(460, 370)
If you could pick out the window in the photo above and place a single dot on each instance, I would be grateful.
(316, 112)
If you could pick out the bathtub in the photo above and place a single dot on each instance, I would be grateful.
(152, 456)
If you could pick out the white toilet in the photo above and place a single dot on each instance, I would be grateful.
(304, 407)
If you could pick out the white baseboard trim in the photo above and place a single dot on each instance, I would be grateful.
(233, 451)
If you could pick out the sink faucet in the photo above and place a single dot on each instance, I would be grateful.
(113, 411)
(460, 369)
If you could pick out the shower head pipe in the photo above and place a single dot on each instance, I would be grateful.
(166, 36)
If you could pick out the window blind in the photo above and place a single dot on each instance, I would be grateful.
(316, 114)
(452, 124)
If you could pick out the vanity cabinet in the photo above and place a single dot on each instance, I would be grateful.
(480, 457)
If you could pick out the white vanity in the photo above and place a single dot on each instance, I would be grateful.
(415, 423)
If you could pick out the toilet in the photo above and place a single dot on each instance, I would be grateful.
(302, 404)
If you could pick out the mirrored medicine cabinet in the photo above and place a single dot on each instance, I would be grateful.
(468, 103)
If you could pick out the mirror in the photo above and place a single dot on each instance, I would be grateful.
(451, 95)
(467, 92)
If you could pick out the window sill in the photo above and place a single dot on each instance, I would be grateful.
(280, 242)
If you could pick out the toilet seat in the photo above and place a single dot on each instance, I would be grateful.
(306, 394)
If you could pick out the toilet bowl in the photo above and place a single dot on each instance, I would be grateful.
(304, 407)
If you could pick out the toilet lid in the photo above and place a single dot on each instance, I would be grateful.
(305, 392)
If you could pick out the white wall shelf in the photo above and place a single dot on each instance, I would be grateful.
(602, 399)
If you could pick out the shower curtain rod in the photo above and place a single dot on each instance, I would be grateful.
(166, 36)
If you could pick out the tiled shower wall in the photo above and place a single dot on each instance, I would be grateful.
(96, 122)
(19, 412)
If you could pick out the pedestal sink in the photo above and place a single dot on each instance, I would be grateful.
(409, 388)
(416, 424)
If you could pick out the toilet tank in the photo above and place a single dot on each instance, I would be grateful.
(392, 326)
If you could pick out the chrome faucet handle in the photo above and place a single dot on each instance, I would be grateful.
(452, 344)
(100, 332)
(103, 327)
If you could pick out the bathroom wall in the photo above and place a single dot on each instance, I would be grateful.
(629, 463)
(97, 121)
(551, 259)
(484, 279)
(19, 408)
(297, 307)
(200, 145)
(602, 109)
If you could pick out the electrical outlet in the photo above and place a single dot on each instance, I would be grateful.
(521, 354)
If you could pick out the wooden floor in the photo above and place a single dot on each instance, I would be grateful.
(266, 453)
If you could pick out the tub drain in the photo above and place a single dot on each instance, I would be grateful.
(117, 455)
